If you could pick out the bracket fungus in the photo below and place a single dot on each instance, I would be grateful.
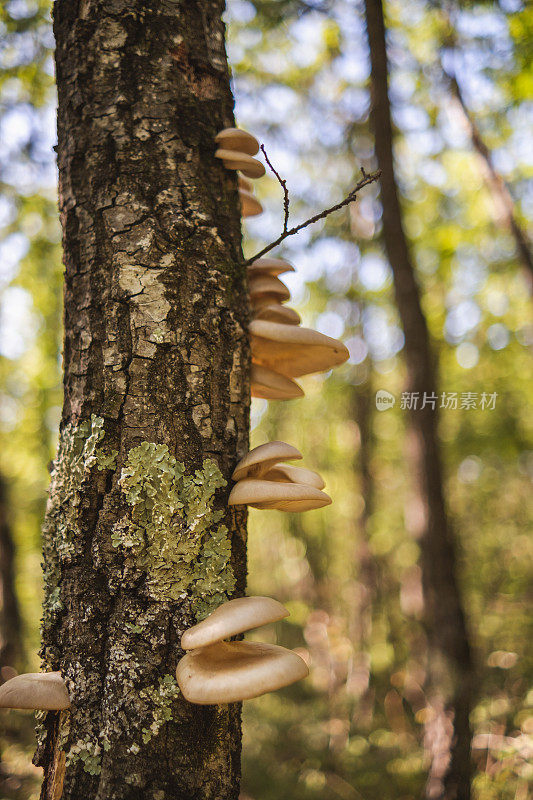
(292, 350)
(237, 140)
(45, 691)
(250, 205)
(290, 474)
(280, 496)
(261, 459)
(231, 618)
(263, 482)
(269, 266)
(271, 385)
(248, 165)
(267, 289)
(214, 671)
(278, 313)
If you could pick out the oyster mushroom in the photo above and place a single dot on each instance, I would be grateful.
(269, 266)
(214, 671)
(278, 313)
(229, 672)
(271, 385)
(238, 140)
(36, 690)
(279, 496)
(233, 159)
(267, 289)
(231, 618)
(260, 460)
(250, 205)
(290, 474)
(292, 350)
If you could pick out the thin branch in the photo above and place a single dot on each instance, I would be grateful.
(497, 185)
(367, 179)
(285, 190)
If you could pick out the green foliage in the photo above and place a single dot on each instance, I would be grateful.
(173, 534)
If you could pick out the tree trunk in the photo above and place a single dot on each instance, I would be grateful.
(503, 201)
(450, 654)
(138, 540)
(11, 646)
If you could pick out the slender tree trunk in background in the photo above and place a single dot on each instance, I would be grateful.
(11, 647)
(450, 654)
(365, 582)
(499, 189)
(156, 363)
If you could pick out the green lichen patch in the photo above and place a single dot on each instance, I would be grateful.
(78, 452)
(89, 753)
(160, 699)
(173, 534)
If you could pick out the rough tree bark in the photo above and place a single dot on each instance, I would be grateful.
(11, 645)
(450, 654)
(156, 358)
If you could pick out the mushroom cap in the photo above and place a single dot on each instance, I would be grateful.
(261, 459)
(228, 672)
(245, 184)
(292, 350)
(266, 289)
(249, 166)
(268, 495)
(231, 618)
(237, 139)
(37, 690)
(271, 385)
(250, 205)
(287, 473)
(278, 313)
(269, 266)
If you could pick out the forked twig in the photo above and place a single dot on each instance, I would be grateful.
(283, 186)
(367, 179)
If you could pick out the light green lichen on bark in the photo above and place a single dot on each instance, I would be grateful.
(173, 534)
(160, 699)
(78, 452)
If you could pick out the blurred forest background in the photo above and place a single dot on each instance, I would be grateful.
(461, 88)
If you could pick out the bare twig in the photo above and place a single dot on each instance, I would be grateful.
(350, 198)
(285, 190)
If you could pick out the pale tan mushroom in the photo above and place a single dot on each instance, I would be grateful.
(250, 205)
(269, 266)
(271, 385)
(238, 140)
(37, 690)
(278, 313)
(261, 459)
(231, 618)
(289, 473)
(249, 166)
(229, 672)
(265, 290)
(269, 495)
(292, 350)
(245, 184)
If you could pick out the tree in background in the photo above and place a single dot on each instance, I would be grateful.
(138, 542)
(450, 658)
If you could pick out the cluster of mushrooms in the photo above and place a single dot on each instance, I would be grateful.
(215, 671)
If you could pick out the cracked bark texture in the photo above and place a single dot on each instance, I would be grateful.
(156, 345)
(451, 669)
